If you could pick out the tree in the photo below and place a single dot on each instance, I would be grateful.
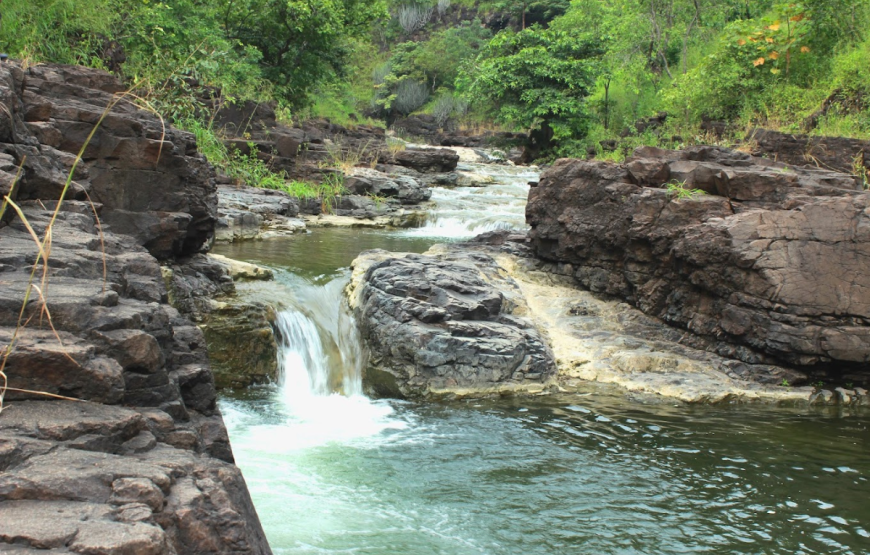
(303, 42)
(536, 79)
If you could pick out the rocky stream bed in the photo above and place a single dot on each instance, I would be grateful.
(113, 437)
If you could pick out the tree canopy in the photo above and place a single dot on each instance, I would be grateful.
(534, 79)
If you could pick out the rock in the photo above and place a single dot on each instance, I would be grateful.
(770, 263)
(474, 179)
(359, 207)
(833, 153)
(590, 338)
(90, 475)
(242, 346)
(150, 180)
(239, 270)
(436, 325)
(425, 159)
(194, 284)
(405, 189)
(247, 213)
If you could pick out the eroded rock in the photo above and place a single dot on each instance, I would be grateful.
(154, 476)
(771, 263)
(437, 325)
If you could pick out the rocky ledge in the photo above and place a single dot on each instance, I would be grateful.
(489, 318)
(767, 265)
(137, 459)
(389, 195)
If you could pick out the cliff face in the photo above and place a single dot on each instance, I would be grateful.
(771, 263)
(141, 463)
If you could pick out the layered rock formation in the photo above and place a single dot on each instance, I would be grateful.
(140, 462)
(431, 325)
(850, 156)
(444, 324)
(770, 263)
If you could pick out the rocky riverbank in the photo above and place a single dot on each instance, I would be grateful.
(139, 462)
(765, 262)
(471, 319)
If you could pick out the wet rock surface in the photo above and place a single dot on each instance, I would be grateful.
(438, 325)
(141, 462)
(403, 311)
(770, 264)
(247, 213)
(242, 346)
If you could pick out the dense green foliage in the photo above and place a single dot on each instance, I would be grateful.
(535, 78)
(582, 70)
(248, 48)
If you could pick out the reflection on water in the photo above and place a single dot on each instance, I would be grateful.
(583, 474)
(587, 475)
(324, 253)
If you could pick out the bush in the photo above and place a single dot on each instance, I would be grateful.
(410, 95)
(443, 109)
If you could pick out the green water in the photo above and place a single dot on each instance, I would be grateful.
(593, 473)
(598, 474)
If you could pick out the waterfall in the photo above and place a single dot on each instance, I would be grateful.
(320, 361)
(303, 367)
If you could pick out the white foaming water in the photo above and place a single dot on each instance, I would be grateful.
(320, 378)
(463, 212)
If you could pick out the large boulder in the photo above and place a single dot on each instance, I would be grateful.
(438, 324)
(771, 261)
(426, 160)
(404, 188)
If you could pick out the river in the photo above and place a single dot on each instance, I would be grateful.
(599, 472)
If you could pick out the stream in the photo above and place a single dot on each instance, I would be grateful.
(598, 472)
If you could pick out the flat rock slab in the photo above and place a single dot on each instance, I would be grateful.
(609, 341)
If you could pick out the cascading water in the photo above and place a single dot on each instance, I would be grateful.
(303, 367)
(319, 371)
(463, 212)
(331, 471)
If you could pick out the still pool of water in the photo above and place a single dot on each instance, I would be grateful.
(600, 472)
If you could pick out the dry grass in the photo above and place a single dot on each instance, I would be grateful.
(345, 159)
(38, 282)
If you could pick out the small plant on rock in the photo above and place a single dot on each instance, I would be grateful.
(680, 191)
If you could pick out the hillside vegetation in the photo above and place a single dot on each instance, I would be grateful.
(575, 73)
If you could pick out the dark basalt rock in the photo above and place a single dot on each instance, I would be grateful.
(435, 325)
(141, 463)
(426, 160)
(150, 180)
(841, 154)
(772, 261)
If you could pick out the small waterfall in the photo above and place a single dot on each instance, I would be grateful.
(463, 212)
(303, 364)
(320, 372)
